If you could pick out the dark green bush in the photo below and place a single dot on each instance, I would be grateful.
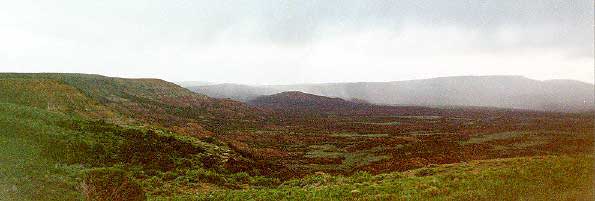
(265, 181)
(108, 144)
(425, 172)
(240, 177)
(198, 175)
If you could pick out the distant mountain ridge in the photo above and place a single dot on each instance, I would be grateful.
(485, 91)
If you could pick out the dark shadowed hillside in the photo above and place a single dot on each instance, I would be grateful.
(295, 103)
(299, 101)
(485, 91)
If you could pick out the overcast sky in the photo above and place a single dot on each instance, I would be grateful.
(299, 41)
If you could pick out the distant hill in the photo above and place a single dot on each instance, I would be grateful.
(299, 101)
(299, 104)
(484, 91)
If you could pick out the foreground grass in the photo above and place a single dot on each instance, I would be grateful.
(529, 178)
(26, 173)
(47, 155)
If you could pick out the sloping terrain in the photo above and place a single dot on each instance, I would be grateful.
(44, 155)
(57, 129)
(485, 91)
(151, 101)
(51, 95)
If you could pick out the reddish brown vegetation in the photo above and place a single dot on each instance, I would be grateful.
(405, 142)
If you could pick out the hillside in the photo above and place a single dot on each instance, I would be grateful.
(151, 101)
(51, 95)
(303, 101)
(300, 104)
(49, 155)
(76, 136)
(484, 91)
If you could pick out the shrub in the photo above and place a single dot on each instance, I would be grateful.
(110, 184)
(264, 181)
(198, 175)
(425, 172)
(240, 177)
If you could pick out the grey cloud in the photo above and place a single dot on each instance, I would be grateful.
(566, 24)
(569, 23)
(179, 33)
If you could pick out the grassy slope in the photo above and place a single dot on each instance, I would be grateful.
(151, 101)
(26, 172)
(528, 178)
(43, 156)
(50, 95)
(49, 136)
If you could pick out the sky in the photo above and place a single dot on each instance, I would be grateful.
(300, 41)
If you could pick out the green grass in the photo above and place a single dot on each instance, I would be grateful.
(50, 95)
(495, 136)
(24, 171)
(44, 156)
(350, 159)
(515, 140)
(323, 151)
(150, 101)
(547, 178)
(50, 135)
